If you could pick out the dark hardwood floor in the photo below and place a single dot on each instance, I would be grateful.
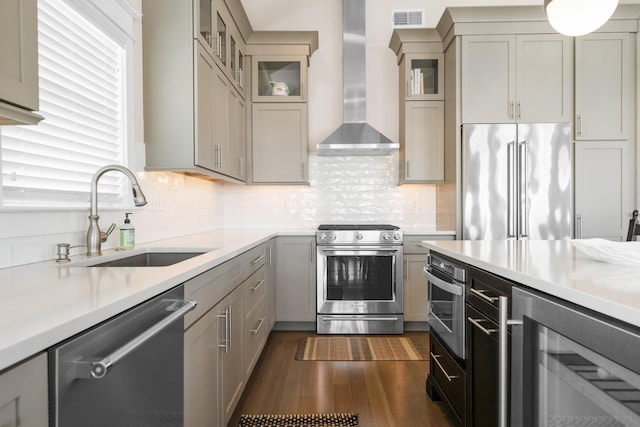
(383, 393)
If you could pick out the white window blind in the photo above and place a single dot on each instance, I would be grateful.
(81, 72)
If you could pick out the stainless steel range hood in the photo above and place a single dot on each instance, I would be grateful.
(355, 137)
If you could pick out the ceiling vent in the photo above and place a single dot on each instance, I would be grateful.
(407, 18)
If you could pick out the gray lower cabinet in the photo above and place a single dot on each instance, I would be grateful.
(230, 354)
(24, 400)
(415, 285)
(296, 274)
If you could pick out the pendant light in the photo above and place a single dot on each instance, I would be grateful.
(578, 17)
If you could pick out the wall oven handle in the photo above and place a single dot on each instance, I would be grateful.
(451, 288)
(503, 355)
(97, 369)
(481, 294)
(435, 358)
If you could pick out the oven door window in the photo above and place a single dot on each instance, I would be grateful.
(442, 306)
(360, 278)
(576, 386)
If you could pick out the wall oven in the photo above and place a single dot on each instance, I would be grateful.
(571, 367)
(446, 298)
(359, 279)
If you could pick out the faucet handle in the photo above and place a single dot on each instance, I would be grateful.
(105, 235)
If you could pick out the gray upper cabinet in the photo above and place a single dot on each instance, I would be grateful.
(193, 102)
(280, 143)
(19, 64)
(516, 78)
(603, 94)
(279, 146)
(421, 104)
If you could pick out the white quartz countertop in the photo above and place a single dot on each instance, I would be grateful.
(45, 303)
(555, 268)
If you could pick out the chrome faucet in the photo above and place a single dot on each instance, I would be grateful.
(95, 237)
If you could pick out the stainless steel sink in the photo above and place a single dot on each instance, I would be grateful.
(141, 257)
(150, 259)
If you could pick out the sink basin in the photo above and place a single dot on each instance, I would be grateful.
(141, 257)
(150, 259)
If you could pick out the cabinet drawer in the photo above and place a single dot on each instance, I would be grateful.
(484, 291)
(449, 377)
(255, 335)
(254, 291)
(210, 287)
(253, 259)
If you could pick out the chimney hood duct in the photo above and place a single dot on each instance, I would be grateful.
(355, 137)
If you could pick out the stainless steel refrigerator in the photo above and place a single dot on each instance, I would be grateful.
(516, 181)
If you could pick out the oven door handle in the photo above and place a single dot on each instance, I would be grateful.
(452, 288)
(358, 250)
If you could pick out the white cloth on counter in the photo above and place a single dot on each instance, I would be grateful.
(621, 253)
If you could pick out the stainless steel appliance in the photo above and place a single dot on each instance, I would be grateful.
(127, 371)
(359, 279)
(446, 297)
(516, 181)
(569, 366)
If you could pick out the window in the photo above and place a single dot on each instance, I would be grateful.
(82, 73)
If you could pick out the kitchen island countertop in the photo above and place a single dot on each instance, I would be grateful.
(556, 268)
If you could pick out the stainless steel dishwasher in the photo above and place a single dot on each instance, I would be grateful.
(127, 371)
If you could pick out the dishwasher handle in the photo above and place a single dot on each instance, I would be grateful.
(96, 369)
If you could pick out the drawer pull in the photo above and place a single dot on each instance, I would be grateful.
(476, 323)
(255, 331)
(435, 358)
(257, 260)
(257, 285)
(480, 293)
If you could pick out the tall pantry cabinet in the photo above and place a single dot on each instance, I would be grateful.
(604, 131)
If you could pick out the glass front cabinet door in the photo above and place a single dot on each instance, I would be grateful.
(279, 79)
(424, 76)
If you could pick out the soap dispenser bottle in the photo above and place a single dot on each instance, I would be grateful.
(127, 233)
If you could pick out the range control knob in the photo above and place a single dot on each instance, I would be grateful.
(359, 236)
(333, 236)
(397, 236)
(386, 236)
(323, 236)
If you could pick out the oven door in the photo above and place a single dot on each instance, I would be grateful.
(359, 280)
(446, 310)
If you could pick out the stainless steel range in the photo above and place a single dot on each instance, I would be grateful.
(359, 279)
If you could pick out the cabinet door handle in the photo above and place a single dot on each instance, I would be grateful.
(481, 294)
(579, 219)
(408, 174)
(435, 358)
(579, 124)
(519, 110)
(476, 323)
(511, 109)
(226, 342)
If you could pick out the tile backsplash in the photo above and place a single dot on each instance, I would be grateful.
(342, 189)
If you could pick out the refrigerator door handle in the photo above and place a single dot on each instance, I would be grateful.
(523, 214)
(511, 191)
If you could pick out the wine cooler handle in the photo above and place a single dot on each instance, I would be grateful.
(503, 355)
